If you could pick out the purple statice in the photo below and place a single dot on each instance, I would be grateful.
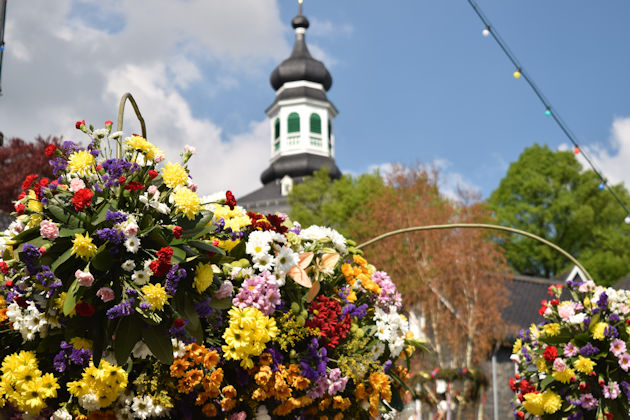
(614, 318)
(71, 355)
(204, 309)
(602, 302)
(120, 310)
(145, 305)
(626, 389)
(389, 296)
(387, 365)
(354, 311)
(98, 188)
(260, 292)
(115, 217)
(336, 382)
(173, 277)
(29, 255)
(60, 363)
(94, 152)
(47, 279)
(112, 235)
(114, 169)
(131, 291)
(576, 416)
(277, 358)
(588, 350)
(314, 365)
(611, 332)
(69, 147)
(58, 164)
(219, 223)
(80, 357)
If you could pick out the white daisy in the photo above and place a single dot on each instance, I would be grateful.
(263, 262)
(258, 244)
(128, 265)
(141, 277)
(142, 406)
(132, 244)
(286, 259)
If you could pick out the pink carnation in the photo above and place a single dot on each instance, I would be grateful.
(85, 279)
(225, 291)
(105, 293)
(49, 230)
(76, 184)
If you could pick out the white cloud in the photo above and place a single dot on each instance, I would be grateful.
(68, 60)
(611, 159)
(329, 29)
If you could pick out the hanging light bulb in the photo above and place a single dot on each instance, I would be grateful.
(601, 186)
(517, 73)
(576, 150)
(548, 112)
(627, 220)
(2, 47)
(486, 31)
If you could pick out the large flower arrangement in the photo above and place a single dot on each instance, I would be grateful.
(125, 295)
(575, 364)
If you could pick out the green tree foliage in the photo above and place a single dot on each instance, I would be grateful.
(547, 193)
(322, 202)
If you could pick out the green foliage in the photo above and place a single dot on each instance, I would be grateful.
(548, 194)
(318, 201)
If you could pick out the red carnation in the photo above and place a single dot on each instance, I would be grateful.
(258, 221)
(78, 124)
(543, 307)
(28, 181)
(50, 150)
(20, 208)
(84, 309)
(179, 323)
(162, 264)
(554, 302)
(4, 268)
(108, 123)
(122, 179)
(326, 314)
(134, 186)
(82, 199)
(177, 232)
(153, 174)
(230, 200)
(276, 223)
(22, 195)
(550, 354)
(20, 301)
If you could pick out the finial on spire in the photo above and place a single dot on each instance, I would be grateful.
(300, 7)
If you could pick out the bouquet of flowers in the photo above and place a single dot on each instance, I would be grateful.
(575, 364)
(126, 295)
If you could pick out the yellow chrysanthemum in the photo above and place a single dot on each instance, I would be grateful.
(174, 175)
(204, 274)
(247, 335)
(156, 295)
(81, 343)
(584, 365)
(33, 203)
(534, 331)
(187, 202)
(235, 219)
(564, 376)
(534, 403)
(541, 365)
(517, 346)
(599, 330)
(99, 382)
(81, 163)
(551, 329)
(83, 247)
(551, 402)
(141, 144)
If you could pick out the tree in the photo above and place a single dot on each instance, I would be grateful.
(549, 194)
(320, 201)
(453, 278)
(18, 159)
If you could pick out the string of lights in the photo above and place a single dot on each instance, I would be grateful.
(550, 111)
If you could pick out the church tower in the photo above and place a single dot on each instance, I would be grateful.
(301, 124)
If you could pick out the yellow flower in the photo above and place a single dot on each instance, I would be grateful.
(564, 376)
(33, 203)
(551, 329)
(534, 331)
(155, 295)
(81, 343)
(541, 365)
(187, 202)
(517, 346)
(174, 175)
(551, 402)
(534, 403)
(83, 247)
(141, 144)
(81, 163)
(204, 274)
(584, 365)
(598, 330)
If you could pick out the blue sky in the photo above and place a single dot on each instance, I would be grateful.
(414, 81)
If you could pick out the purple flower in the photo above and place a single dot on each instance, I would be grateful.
(59, 164)
(204, 309)
(588, 350)
(69, 147)
(611, 391)
(588, 402)
(145, 305)
(112, 235)
(80, 357)
(260, 292)
(354, 311)
(120, 310)
(59, 362)
(173, 278)
(115, 217)
(29, 255)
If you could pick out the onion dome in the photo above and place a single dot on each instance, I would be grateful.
(300, 65)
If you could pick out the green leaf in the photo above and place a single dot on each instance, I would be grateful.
(204, 246)
(221, 303)
(396, 402)
(179, 254)
(546, 382)
(194, 324)
(26, 235)
(103, 259)
(238, 251)
(128, 333)
(64, 217)
(198, 232)
(74, 294)
(156, 236)
(97, 334)
(159, 343)
(200, 221)
(62, 259)
(65, 232)
(38, 242)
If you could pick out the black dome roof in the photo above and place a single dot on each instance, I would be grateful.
(300, 65)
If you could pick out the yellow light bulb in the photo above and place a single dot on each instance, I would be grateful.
(517, 74)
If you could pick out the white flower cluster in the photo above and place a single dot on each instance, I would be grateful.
(138, 407)
(270, 252)
(318, 233)
(28, 321)
(391, 328)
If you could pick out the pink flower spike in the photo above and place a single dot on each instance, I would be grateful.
(105, 293)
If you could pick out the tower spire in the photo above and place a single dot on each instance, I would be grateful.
(300, 7)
